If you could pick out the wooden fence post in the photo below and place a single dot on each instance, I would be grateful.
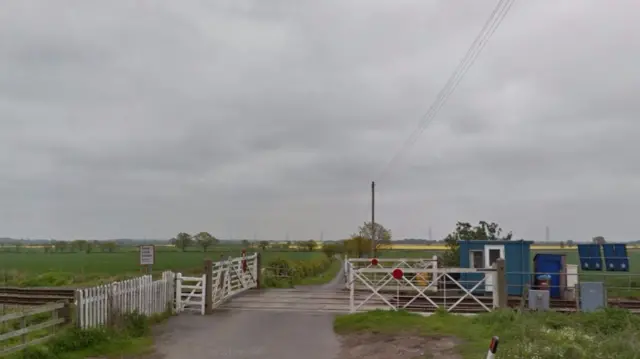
(65, 312)
(178, 293)
(501, 284)
(258, 269)
(78, 308)
(208, 286)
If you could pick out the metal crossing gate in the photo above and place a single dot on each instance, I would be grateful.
(228, 278)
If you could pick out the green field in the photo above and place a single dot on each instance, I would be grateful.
(36, 268)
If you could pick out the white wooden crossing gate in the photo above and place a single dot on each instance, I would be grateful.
(421, 276)
(190, 293)
(232, 277)
(229, 277)
(422, 287)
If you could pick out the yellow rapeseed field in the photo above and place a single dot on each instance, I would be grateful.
(441, 247)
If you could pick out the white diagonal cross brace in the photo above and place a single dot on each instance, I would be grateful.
(374, 290)
(422, 292)
(468, 293)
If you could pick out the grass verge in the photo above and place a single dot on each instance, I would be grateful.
(324, 277)
(610, 333)
(130, 337)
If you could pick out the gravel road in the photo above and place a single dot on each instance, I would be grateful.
(251, 334)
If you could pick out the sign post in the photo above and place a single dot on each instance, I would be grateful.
(147, 256)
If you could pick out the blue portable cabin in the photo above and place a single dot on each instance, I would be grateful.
(482, 254)
(555, 266)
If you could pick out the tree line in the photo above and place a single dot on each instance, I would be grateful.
(78, 245)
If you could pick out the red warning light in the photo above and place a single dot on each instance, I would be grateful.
(397, 273)
(374, 262)
(244, 260)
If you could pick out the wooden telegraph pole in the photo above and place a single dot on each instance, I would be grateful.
(373, 219)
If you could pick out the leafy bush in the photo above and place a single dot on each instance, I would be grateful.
(281, 272)
(136, 325)
(75, 339)
(132, 326)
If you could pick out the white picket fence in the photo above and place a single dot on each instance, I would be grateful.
(96, 305)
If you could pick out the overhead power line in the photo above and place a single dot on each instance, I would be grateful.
(491, 25)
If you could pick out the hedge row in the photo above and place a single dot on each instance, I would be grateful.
(281, 272)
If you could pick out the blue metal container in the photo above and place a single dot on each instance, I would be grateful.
(551, 265)
(590, 257)
(615, 257)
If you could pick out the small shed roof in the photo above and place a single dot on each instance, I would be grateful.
(499, 242)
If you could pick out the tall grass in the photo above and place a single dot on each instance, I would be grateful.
(606, 334)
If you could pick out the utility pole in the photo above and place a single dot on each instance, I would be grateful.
(546, 233)
(373, 219)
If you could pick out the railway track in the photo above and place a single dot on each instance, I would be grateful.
(35, 296)
(472, 306)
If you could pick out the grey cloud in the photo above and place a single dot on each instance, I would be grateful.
(243, 117)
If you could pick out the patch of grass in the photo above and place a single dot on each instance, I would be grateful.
(378, 321)
(324, 277)
(611, 333)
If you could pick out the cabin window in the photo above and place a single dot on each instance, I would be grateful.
(494, 255)
(476, 259)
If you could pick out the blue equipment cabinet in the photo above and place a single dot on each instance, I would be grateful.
(615, 257)
(482, 254)
(590, 257)
(554, 265)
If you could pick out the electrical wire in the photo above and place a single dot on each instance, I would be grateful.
(491, 25)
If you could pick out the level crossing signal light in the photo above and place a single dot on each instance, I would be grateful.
(397, 273)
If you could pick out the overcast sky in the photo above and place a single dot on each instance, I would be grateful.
(242, 118)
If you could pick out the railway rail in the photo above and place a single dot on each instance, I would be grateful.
(469, 305)
(35, 296)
